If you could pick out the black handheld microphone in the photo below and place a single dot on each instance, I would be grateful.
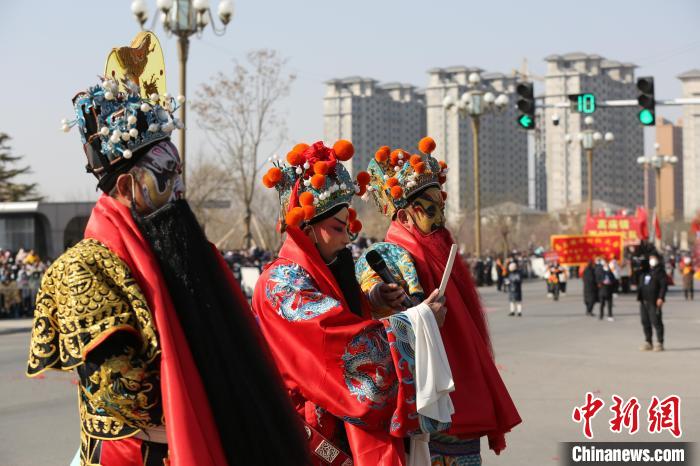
(376, 262)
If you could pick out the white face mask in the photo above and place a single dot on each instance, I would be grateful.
(653, 262)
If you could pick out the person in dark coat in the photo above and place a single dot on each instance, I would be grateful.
(488, 269)
(605, 281)
(479, 272)
(651, 294)
(514, 281)
(590, 287)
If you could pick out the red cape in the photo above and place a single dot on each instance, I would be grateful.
(193, 438)
(482, 403)
(369, 448)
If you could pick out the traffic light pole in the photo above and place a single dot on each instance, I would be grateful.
(631, 103)
(589, 158)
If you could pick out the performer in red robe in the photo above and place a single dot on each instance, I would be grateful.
(170, 364)
(350, 377)
(406, 188)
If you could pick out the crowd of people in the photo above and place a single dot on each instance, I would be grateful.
(20, 275)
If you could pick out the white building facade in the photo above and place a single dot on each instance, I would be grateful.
(372, 115)
(690, 81)
(617, 178)
(503, 148)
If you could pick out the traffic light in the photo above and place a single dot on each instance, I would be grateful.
(526, 105)
(646, 100)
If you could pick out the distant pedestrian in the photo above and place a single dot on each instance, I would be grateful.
(651, 294)
(615, 269)
(605, 281)
(563, 278)
(688, 272)
(501, 273)
(514, 282)
(590, 287)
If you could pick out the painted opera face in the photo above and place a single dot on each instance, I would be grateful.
(158, 175)
(427, 210)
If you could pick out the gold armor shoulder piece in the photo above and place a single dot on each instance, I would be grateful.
(86, 295)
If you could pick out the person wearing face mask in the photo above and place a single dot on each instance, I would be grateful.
(605, 280)
(651, 294)
(349, 374)
(170, 366)
(688, 274)
(407, 189)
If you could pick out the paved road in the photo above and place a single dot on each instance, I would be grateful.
(549, 359)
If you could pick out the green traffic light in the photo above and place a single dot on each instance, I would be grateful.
(526, 121)
(646, 117)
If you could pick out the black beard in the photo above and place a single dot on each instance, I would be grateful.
(343, 269)
(242, 386)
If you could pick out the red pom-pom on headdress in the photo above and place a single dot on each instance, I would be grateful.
(415, 159)
(266, 181)
(306, 198)
(274, 174)
(443, 164)
(391, 182)
(294, 217)
(444, 195)
(363, 178)
(419, 167)
(321, 168)
(396, 192)
(309, 211)
(355, 226)
(426, 145)
(295, 157)
(442, 179)
(382, 154)
(363, 190)
(344, 150)
(318, 181)
(394, 157)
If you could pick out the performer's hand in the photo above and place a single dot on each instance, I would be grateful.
(659, 303)
(391, 295)
(437, 305)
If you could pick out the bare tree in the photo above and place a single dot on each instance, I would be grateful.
(239, 113)
(207, 183)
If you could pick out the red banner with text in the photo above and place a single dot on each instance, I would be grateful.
(579, 249)
(633, 228)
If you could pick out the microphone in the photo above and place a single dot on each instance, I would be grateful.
(376, 262)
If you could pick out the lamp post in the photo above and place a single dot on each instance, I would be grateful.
(474, 103)
(590, 140)
(657, 162)
(183, 18)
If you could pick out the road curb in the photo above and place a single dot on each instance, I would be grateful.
(10, 331)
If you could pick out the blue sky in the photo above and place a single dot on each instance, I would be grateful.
(52, 49)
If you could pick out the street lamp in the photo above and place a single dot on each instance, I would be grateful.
(589, 140)
(184, 18)
(474, 103)
(657, 162)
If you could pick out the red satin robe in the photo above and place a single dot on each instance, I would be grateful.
(482, 403)
(337, 366)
